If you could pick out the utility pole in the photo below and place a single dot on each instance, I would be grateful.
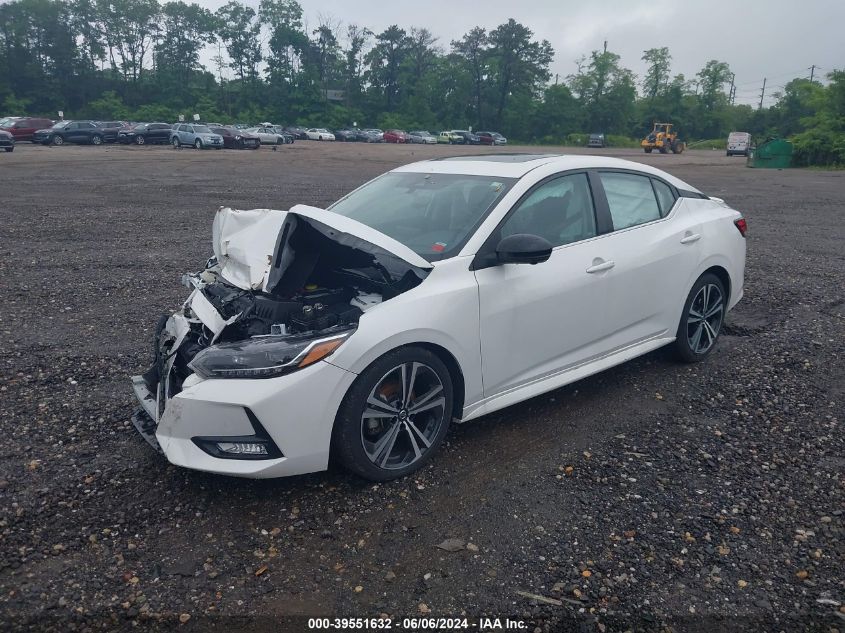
(605, 46)
(762, 94)
(812, 71)
(732, 92)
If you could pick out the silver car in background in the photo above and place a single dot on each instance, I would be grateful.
(195, 134)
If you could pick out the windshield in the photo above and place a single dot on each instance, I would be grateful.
(201, 129)
(432, 214)
(60, 125)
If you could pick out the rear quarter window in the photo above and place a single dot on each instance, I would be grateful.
(665, 196)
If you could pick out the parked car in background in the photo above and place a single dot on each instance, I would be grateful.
(111, 129)
(491, 138)
(146, 133)
(369, 136)
(377, 133)
(234, 138)
(421, 136)
(469, 137)
(319, 134)
(346, 135)
(738, 143)
(395, 136)
(83, 132)
(597, 139)
(287, 137)
(450, 137)
(298, 131)
(7, 141)
(24, 128)
(267, 135)
(197, 135)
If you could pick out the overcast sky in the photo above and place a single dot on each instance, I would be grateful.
(777, 39)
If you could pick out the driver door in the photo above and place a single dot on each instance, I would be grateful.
(537, 320)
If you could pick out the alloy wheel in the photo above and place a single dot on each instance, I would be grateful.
(140, 140)
(404, 414)
(705, 318)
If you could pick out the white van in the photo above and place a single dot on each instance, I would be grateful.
(739, 143)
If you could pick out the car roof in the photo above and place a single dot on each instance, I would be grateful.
(518, 165)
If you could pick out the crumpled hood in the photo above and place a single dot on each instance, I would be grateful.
(246, 242)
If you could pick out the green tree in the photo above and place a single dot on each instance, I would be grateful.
(474, 54)
(607, 93)
(656, 78)
(384, 61)
(240, 31)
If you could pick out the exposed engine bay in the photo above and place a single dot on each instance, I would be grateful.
(278, 283)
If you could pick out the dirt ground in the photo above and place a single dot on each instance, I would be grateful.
(654, 496)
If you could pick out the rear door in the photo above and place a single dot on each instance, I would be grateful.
(654, 249)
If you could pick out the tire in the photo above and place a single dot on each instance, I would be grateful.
(387, 446)
(647, 150)
(140, 140)
(198, 144)
(727, 153)
(689, 342)
(57, 140)
(96, 140)
(9, 150)
(280, 140)
(175, 142)
(663, 149)
(678, 147)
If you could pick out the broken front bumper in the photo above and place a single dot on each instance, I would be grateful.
(296, 411)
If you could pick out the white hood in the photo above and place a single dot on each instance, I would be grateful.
(245, 241)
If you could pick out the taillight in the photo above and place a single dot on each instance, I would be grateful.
(742, 225)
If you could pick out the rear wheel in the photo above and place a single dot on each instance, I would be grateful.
(395, 415)
(97, 139)
(9, 149)
(663, 149)
(140, 140)
(701, 320)
(678, 147)
(647, 150)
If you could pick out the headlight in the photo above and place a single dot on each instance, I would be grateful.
(266, 356)
(237, 138)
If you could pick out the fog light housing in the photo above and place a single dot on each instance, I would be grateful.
(257, 446)
(242, 448)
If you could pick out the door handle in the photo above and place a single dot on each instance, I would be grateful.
(690, 238)
(601, 266)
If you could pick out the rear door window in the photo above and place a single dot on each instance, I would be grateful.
(631, 199)
(665, 196)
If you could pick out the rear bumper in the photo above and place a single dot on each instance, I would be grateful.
(297, 412)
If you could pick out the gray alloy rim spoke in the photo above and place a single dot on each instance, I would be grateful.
(423, 438)
(714, 310)
(375, 413)
(430, 405)
(696, 338)
(413, 407)
(417, 451)
(382, 450)
(381, 404)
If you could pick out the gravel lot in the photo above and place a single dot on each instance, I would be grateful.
(654, 496)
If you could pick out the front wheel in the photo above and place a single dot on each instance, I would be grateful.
(198, 144)
(57, 140)
(647, 150)
(140, 140)
(9, 150)
(395, 416)
(97, 139)
(701, 320)
(175, 142)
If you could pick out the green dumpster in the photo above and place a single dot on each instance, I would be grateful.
(775, 154)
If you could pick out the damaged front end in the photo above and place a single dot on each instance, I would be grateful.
(282, 292)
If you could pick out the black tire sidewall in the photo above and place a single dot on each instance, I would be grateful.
(346, 435)
(681, 345)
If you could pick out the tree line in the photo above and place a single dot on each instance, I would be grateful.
(143, 60)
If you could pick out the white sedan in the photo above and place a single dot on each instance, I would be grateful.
(443, 290)
(319, 134)
(267, 134)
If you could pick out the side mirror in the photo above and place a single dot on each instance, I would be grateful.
(523, 248)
